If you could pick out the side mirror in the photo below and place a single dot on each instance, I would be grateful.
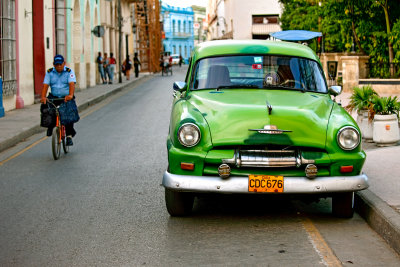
(335, 90)
(179, 86)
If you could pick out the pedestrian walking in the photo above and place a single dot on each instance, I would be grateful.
(111, 68)
(100, 67)
(127, 65)
(180, 60)
(106, 63)
(136, 64)
(61, 81)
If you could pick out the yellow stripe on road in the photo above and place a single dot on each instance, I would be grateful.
(322, 248)
(23, 150)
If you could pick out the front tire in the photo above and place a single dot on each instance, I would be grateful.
(343, 205)
(178, 203)
(55, 143)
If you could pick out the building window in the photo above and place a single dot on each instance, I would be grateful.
(8, 53)
(185, 51)
(184, 26)
(174, 49)
(190, 27)
(173, 26)
(265, 19)
(179, 26)
(180, 50)
(60, 27)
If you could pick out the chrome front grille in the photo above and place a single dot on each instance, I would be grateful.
(267, 158)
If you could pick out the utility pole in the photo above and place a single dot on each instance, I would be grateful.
(119, 42)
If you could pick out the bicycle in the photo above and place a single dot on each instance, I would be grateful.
(166, 68)
(58, 137)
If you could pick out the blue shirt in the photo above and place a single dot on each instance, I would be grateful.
(59, 82)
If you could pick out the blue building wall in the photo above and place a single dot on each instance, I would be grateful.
(178, 28)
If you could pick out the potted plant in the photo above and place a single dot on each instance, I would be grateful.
(361, 102)
(386, 124)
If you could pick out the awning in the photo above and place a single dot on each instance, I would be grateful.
(263, 29)
(295, 35)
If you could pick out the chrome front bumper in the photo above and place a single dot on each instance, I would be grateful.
(239, 184)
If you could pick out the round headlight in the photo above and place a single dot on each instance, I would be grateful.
(189, 134)
(348, 138)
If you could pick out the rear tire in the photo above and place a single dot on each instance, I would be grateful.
(343, 205)
(64, 145)
(55, 144)
(178, 203)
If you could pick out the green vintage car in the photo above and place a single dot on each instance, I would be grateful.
(257, 117)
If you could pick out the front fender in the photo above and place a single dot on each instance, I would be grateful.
(340, 118)
(183, 112)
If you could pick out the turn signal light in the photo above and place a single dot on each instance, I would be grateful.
(187, 166)
(345, 169)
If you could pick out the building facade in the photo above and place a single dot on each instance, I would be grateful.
(199, 24)
(236, 19)
(178, 30)
(32, 32)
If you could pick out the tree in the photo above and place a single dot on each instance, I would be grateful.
(349, 25)
(384, 4)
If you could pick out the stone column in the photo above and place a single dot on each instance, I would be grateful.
(353, 68)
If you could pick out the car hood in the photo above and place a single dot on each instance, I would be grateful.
(231, 113)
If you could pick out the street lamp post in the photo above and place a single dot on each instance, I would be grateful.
(119, 41)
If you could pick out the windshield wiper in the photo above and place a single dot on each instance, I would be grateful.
(237, 86)
(277, 86)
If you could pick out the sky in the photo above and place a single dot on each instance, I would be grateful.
(185, 3)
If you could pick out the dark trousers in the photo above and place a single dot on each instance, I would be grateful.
(69, 128)
(136, 70)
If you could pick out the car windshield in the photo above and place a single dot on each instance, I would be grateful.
(259, 71)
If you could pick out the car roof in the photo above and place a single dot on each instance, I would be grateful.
(232, 47)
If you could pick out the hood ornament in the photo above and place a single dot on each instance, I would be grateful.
(269, 108)
(270, 129)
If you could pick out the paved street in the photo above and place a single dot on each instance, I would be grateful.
(102, 204)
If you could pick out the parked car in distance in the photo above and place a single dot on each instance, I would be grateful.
(257, 117)
(175, 59)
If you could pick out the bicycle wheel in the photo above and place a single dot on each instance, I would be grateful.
(55, 143)
(64, 145)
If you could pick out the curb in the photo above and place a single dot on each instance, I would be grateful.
(380, 217)
(6, 144)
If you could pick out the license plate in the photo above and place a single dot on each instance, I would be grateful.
(266, 183)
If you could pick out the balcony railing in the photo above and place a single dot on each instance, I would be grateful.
(181, 34)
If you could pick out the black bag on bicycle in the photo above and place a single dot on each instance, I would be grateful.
(47, 115)
(68, 112)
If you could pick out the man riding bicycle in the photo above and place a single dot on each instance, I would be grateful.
(61, 80)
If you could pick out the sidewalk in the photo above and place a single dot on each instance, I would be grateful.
(379, 205)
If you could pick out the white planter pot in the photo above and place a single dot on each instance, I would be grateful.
(359, 117)
(386, 130)
(366, 127)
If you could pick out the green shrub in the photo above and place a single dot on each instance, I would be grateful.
(361, 99)
(386, 105)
